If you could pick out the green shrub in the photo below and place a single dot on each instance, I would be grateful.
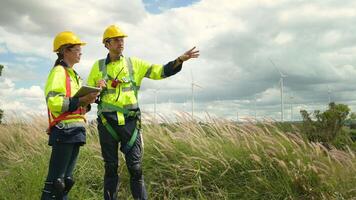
(327, 125)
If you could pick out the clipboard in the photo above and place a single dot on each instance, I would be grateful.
(84, 90)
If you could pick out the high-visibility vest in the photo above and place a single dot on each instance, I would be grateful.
(124, 97)
(65, 116)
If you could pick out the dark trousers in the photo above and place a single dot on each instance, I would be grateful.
(133, 157)
(61, 165)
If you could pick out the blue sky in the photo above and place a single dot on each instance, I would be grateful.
(313, 42)
(158, 6)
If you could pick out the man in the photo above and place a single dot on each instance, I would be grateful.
(118, 112)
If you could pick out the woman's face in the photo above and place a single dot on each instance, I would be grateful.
(73, 54)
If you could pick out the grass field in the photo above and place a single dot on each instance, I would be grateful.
(189, 160)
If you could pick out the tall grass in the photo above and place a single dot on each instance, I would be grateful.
(218, 159)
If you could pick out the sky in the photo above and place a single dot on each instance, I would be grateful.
(245, 45)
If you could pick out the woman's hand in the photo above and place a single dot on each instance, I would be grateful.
(88, 99)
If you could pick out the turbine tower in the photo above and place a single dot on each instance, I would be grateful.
(193, 84)
(255, 107)
(1, 111)
(281, 81)
(291, 107)
(155, 105)
(329, 94)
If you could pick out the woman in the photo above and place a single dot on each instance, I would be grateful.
(66, 116)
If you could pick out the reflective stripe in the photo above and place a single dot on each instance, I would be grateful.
(110, 91)
(129, 65)
(120, 119)
(127, 89)
(108, 107)
(65, 105)
(131, 106)
(53, 94)
(62, 125)
(148, 73)
(102, 65)
(131, 73)
(102, 69)
(113, 91)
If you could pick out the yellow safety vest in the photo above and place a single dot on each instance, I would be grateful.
(57, 94)
(130, 72)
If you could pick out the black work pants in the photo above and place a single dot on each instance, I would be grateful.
(61, 165)
(133, 157)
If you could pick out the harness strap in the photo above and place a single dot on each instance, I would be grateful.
(132, 141)
(109, 128)
(128, 146)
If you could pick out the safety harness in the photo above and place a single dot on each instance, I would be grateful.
(52, 121)
(128, 113)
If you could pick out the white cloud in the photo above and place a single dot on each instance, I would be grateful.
(34, 91)
(314, 11)
(283, 38)
(28, 100)
(6, 87)
(312, 42)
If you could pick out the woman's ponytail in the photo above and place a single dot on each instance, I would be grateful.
(59, 59)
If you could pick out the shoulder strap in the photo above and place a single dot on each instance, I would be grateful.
(68, 87)
(103, 69)
(131, 74)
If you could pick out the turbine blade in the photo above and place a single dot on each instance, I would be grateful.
(198, 86)
(280, 73)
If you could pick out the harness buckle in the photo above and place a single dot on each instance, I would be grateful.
(125, 80)
(132, 113)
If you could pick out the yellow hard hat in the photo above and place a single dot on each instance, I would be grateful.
(113, 31)
(65, 37)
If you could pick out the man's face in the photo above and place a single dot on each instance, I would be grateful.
(115, 45)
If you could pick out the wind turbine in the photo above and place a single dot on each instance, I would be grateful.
(155, 104)
(255, 107)
(282, 76)
(329, 94)
(291, 107)
(193, 84)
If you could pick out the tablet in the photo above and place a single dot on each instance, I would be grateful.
(84, 90)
